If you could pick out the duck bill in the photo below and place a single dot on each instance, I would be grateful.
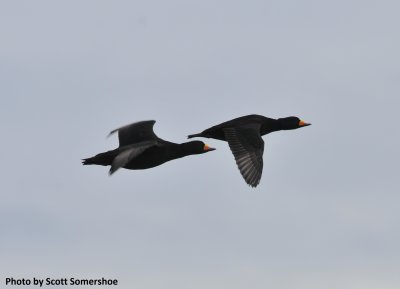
(303, 123)
(207, 148)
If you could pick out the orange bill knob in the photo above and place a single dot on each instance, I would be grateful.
(302, 123)
(207, 148)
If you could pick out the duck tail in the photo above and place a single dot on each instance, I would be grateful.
(195, 135)
(102, 159)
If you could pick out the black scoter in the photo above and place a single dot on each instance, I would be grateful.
(140, 148)
(243, 135)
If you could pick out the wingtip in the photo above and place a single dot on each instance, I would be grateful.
(253, 186)
(112, 170)
(112, 132)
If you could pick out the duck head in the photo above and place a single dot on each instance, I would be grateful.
(291, 122)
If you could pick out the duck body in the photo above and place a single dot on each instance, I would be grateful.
(266, 125)
(141, 149)
(157, 155)
(243, 135)
(152, 157)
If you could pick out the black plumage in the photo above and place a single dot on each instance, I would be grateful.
(140, 148)
(243, 135)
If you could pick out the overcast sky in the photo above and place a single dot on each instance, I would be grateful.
(326, 213)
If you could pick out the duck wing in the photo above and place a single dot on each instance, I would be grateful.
(135, 132)
(129, 153)
(247, 147)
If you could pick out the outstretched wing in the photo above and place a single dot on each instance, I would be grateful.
(128, 154)
(247, 147)
(135, 133)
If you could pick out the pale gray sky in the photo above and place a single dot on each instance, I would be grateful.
(326, 212)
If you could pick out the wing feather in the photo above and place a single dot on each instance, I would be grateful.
(247, 147)
(130, 153)
(135, 132)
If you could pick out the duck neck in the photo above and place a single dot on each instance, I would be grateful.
(177, 151)
(271, 126)
(184, 149)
